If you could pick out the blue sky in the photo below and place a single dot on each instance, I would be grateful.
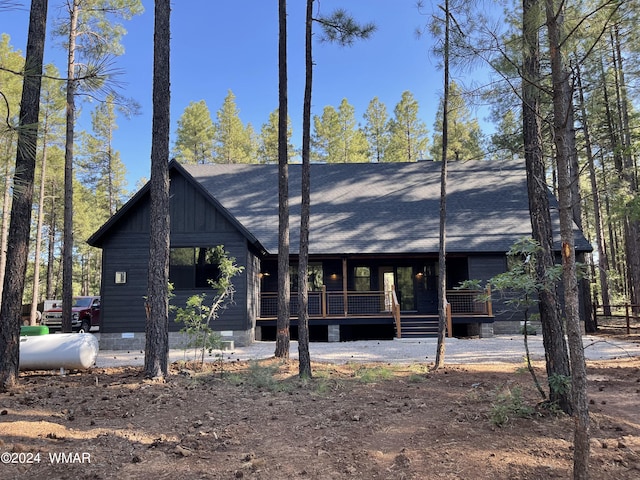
(218, 46)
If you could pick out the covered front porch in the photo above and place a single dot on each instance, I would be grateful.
(345, 305)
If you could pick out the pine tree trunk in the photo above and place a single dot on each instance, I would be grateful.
(156, 359)
(557, 358)
(36, 264)
(442, 252)
(603, 261)
(6, 214)
(613, 248)
(565, 149)
(20, 223)
(586, 304)
(67, 245)
(304, 361)
(284, 288)
(51, 258)
(632, 225)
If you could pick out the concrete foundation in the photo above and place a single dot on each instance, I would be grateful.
(333, 333)
(506, 327)
(486, 330)
(482, 330)
(136, 340)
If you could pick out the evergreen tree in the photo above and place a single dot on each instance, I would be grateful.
(376, 129)
(233, 142)
(53, 214)
(253, 144)
(409, 139)
(156, 355)
(18, 239)
(353, 142)
(195, 135)
(557, 358)
(337, 138)
(507, 141)
(92, 32)
(284, 284)
(52, 123)
(10, 90)
(90, 213)
(100, 165)
(326, 133)
(339, 27)
(268, 141)
(465, 135)
(564, 136)
(11, 61)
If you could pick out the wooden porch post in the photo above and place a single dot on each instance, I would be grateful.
(489, 302)
(323, 301)
(449, 321)
(344, 286)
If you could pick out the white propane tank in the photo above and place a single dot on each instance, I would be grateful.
(52, 352)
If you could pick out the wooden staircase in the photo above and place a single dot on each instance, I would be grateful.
(419, 327)
(413, 326)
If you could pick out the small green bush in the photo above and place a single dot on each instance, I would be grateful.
(509, 404)
(559, 384)
(372, 375)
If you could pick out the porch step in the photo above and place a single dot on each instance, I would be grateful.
(419, 328)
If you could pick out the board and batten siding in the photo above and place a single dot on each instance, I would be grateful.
(484, 267)
(195, 222)
(126, 250)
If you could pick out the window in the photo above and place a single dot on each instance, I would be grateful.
(362, 276)
(315, 277)
(191, 268)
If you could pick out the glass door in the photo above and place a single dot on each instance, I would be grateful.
(405, 288)
(388, 281)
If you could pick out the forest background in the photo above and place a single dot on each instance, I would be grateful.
(368, 100)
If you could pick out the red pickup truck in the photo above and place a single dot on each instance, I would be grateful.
(85, 315)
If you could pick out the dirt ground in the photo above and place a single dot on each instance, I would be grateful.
(354, 421)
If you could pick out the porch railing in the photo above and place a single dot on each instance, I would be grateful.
(325, 303)
(470, 302)
(330, 304)
(395, 309)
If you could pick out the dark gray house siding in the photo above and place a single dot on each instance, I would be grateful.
(484, 267)
(380, 216)
(126, 251)
(195, 222)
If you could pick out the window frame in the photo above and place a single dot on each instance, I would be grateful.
(196, 272)
(359, 280)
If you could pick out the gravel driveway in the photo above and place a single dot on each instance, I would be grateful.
(499, 349)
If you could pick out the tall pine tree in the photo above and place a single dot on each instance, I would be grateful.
(268, 141)
(409, 139)
(156, 355)
(233, 142)
(337, 138)
(195, 135)
(376, 129)
(465, 135)
(25, 166)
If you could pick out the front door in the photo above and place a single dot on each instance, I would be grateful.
(387, 280)
(405, 288)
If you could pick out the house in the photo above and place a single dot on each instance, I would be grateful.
(373, 258)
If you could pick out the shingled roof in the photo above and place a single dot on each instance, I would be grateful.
(384, 208)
